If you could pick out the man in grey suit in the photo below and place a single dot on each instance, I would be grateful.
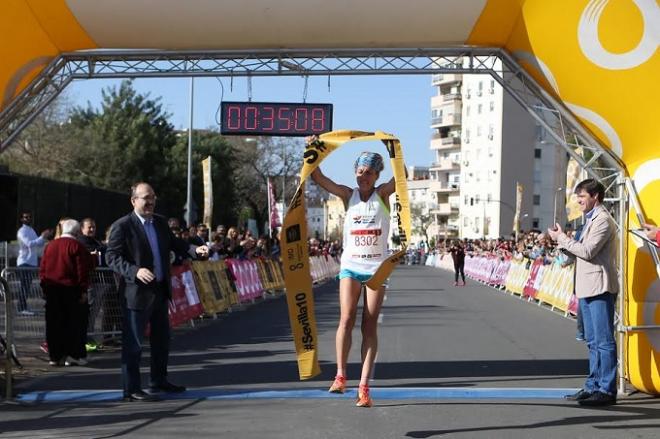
(139, 251)
(596, 286)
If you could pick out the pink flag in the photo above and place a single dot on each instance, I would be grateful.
(272, 207)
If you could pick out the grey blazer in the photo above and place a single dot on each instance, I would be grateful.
(595, 253)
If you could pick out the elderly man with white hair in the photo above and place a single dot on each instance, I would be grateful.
(65, 276)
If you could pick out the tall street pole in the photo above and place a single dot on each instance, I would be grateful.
(283, 181)
(189, 181)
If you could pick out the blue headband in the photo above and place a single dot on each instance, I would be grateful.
(370, 160)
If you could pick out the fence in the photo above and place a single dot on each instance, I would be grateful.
(202, 288)
(550, 284)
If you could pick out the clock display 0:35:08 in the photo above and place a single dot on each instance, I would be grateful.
(275, 119)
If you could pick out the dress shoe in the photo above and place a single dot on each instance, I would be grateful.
(140, 396)
(167, 387)
(598, 399)
(578, 396)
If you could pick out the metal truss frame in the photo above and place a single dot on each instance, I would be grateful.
(545, 108)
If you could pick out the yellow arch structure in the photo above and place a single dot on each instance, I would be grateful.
(599, 57)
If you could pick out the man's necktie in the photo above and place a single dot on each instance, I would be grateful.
(150, 230)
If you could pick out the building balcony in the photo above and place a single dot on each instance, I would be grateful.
(452, 97)
(445, 209)
(444, 187)
(445, 165)
(445, 142)
(447, 120)
(445, 78)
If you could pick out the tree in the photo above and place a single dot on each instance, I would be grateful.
(260, 158)
(421, 219)
(223, 163)
(42, 149)
(128, 139)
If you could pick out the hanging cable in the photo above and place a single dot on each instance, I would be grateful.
(328, 83)
(305, 88)
(249, 87)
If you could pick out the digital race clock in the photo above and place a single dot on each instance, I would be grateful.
(275, 118)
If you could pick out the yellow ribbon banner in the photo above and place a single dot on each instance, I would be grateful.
(295, 256)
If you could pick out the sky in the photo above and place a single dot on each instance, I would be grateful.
(396, 104)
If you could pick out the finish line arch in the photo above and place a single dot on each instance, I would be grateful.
(597, 58)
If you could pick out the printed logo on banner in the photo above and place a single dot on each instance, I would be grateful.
(303, 319)
(293, 233)
(215, 285)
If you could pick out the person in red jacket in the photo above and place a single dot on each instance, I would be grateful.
(65, 276)
(652, 232)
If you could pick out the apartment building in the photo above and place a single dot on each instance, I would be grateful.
(486, 143)
(445, 171)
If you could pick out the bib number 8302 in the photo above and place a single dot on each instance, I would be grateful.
(368, 240)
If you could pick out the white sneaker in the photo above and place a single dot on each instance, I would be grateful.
(70, 361)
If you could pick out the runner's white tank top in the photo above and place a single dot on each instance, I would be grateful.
(366, 231)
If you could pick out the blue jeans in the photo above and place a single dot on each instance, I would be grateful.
(26, 276)
(598, 317)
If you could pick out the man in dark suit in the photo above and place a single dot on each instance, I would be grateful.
(139, 251)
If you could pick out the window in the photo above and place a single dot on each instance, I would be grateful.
(480, 88)
(467, 110)
(535, 223)
(537, 200)
(492, 106)
(491, 132)
(479, 108)
(492, 86)
(477, 154)
(537, 153)
(478, 130)
(477, 198)
(465, 200)
(490, 151)
(489, 197)
(466, 221)
(478, 176)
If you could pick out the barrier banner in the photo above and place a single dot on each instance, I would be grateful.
(266, 274)
(531, 286)
(498, 277)
(213, 292)
(276, 268)
(185, 304)
(295, 256)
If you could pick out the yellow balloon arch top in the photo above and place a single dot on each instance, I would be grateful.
(599, 57)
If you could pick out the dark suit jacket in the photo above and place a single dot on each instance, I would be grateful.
(129, 250)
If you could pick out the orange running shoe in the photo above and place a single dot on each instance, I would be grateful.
(338, 385)
(364, 400)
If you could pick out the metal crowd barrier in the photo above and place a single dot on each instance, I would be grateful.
(28, 305)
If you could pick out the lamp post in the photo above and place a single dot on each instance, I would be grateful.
(554, 213)
(189, 178)
(283, 181)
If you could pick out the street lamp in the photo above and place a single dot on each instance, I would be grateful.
(554, 214)
(189, 177)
